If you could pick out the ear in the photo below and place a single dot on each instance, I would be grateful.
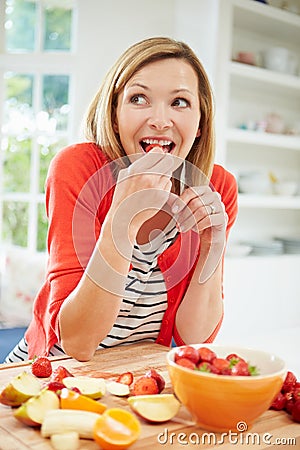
(116, 126)
(198, 133)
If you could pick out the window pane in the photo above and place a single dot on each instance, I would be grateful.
(47, 152)
(18, 112)
(58, 27)
(16, 154)
(42, 228)
(20, 22)
(56, 98)
(15, 223)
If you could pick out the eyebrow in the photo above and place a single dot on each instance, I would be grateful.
(175, 91)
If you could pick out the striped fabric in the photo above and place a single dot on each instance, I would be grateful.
(143, 305)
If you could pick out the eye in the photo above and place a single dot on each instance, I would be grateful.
(181, 103)
(138, 99)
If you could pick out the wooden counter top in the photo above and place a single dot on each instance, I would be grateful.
(273, 429)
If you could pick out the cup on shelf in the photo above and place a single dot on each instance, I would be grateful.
(281, 59)
(288, 188)
(254, 183)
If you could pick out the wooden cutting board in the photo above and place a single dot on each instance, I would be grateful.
(138, 359)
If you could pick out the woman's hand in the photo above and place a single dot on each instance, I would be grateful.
(142, 190)
(201, 209)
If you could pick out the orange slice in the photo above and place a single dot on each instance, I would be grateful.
(116, 429)
(73, 400)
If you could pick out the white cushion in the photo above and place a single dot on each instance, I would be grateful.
(22, 276)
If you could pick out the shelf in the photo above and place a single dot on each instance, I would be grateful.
(236, 135)
(260, 76)
(266, 20)
(269, 201)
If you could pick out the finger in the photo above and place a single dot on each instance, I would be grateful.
(155, 161)
(204, 193)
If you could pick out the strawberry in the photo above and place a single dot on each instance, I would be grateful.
(289, 382)
(151, 146)
(240, 369)
(125, 378)
(41, 367)
(60, 373)
(296, 411)
(205, 354)
(185, 362)
(145, 386)
(187, 352)
(222, 365)
(158, 378)
(278, 402)
(207, 367)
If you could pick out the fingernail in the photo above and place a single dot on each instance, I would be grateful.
(175, 209)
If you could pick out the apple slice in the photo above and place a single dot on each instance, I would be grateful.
(116, 388)
(20, 389)
(90, 386)
(155, 408)
(33, 411)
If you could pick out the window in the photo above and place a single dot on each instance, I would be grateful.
(35, 84)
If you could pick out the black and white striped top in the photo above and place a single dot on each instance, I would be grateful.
(144, 303)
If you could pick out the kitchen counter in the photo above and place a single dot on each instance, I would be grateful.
(181, 432)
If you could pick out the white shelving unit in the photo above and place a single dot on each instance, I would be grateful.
(261, 292)
(247, 94)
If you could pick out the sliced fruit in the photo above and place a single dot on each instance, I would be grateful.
(65, 441)
(116, 429)
(155, 408)
(145, 386)
(72, 400)
(119, 389)
(60, 373)
(125, 378)
(91, 387)
(157, 377)
(33, 411)
(20, 389)
(66, 420)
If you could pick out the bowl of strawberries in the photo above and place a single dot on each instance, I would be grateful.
(225, 386)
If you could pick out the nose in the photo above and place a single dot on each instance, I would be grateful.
(160, 118)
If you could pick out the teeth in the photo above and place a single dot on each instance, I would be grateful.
(157, 141)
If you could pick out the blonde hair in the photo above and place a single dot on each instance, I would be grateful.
(101, 112)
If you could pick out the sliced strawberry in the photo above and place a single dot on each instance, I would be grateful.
(289, 382)
(296, 411)
(158, 378)
(205, 354)
(60, 373)
(125, 378)
(279, 402)
(55, 386)
(145, 386)
(41, 367)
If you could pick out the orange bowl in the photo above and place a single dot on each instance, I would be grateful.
(224, 402)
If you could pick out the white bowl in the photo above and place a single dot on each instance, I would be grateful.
(285, 188)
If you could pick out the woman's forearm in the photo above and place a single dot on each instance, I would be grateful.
(89, 312)
(202, 307)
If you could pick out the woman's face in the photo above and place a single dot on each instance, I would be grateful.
(159, 105)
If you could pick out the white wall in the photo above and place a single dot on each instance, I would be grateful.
(108, 27)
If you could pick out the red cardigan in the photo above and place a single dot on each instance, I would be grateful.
(79, 190)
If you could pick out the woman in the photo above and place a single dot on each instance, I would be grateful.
(138, 215)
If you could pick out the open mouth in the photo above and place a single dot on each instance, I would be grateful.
(166, 145)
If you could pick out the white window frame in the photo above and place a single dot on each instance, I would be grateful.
(38, 63)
